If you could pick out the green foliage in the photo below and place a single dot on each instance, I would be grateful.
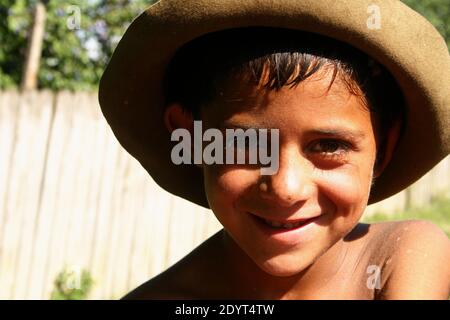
(66, 62)
(13, 32)
(438, 212)
(70, 285)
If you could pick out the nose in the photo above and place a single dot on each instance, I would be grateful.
(291, 183)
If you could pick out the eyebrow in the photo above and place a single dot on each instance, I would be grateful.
(342, 133)
(241, 126)
(355, 135)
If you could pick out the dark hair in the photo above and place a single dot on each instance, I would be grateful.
(201, 68)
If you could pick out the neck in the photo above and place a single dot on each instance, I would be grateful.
(248, 281)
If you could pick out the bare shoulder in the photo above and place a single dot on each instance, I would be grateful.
(180, 281)
(394, 236)
(418, 252)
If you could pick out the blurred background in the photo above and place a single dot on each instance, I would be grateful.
(79, 217)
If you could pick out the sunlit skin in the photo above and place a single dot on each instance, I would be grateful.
(327, 150)
(322, 172)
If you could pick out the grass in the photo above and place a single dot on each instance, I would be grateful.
(438, 212)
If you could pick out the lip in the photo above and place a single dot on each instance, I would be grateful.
(286, 237)
(293, 221)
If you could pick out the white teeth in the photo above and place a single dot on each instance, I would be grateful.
(273, 223)
(277, 224)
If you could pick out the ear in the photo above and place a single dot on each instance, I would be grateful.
(387, 148)
(176, 117)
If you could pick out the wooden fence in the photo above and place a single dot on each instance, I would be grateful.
(70, 196)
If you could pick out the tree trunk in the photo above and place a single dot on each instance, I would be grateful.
(34, 49)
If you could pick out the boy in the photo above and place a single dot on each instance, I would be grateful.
(347, 130)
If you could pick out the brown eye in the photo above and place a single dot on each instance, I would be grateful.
(330, 146)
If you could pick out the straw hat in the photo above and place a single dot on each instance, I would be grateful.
(131, 95)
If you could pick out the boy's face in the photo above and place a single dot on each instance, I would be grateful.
(327, 149)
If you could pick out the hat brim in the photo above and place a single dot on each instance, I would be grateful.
(131, 93)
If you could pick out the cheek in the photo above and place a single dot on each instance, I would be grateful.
(225, 184)
(348, 189)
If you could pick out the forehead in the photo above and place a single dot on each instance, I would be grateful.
(315, 101)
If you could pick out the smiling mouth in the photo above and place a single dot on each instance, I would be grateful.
(283, 225)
